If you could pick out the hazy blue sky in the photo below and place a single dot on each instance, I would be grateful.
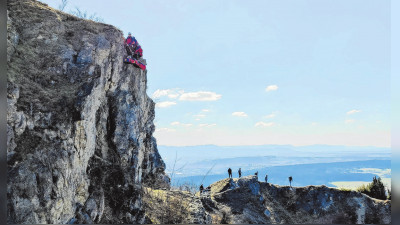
(262, 72)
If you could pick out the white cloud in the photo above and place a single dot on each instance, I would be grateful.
(164, 129)
(272, 88)
(349, 121)
(200, 115)
(205, 110)
(207, 125)
(159, 93)
(171, 93)
(197, 119)
(353, 111)
(272, 115)
(263, 124)
(241, 114)
(176, 123)
(165, 104)
(200, 96)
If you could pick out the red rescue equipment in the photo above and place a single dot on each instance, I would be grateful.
(135, 62)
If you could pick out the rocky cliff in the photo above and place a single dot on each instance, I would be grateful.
(248, 201)
(80, 145)
(79, 122)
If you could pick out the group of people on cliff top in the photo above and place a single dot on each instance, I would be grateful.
(240, 175)
(256, 174)
(133, 48)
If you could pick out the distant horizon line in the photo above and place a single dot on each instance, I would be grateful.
(314, 145)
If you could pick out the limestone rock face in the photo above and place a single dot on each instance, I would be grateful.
(79, 122)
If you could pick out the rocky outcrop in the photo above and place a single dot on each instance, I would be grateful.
(321, 204)
(79, 122)
(248, 201)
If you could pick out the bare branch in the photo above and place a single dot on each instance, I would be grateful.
(207, 173)
(63, 4)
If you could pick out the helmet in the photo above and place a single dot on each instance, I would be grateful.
(129, 33)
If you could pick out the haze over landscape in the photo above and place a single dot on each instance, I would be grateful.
(334, 166)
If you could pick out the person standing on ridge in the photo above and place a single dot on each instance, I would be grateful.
(266, 178)
(230, 172)
(240, 172)
(201, 188)
(132, 47)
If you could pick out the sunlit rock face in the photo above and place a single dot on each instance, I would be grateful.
(79, 122)
(246, 200)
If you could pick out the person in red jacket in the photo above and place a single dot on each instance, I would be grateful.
(132, 47)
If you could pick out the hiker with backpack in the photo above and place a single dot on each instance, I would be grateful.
(134, 52)
(132, 47)
(240, 172)
(230, 172)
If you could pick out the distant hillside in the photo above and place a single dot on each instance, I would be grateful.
(210, 152)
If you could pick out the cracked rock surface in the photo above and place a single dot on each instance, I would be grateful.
(245, 200)
(79, 122)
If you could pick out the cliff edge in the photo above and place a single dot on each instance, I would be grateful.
(247, 201)
(79, 121)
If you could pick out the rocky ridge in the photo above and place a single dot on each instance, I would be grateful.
(79, 121)
(247, 201)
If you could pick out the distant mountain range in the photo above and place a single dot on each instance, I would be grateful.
(309, 165)
(303, 174)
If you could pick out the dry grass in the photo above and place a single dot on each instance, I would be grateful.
(167, 206)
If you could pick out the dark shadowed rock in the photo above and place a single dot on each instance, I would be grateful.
(79, 122)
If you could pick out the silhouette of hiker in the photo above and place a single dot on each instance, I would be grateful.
(240, 172)
(290, 180)
(256, 173)
(266, 178)
(230, 173)
(201, 189)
